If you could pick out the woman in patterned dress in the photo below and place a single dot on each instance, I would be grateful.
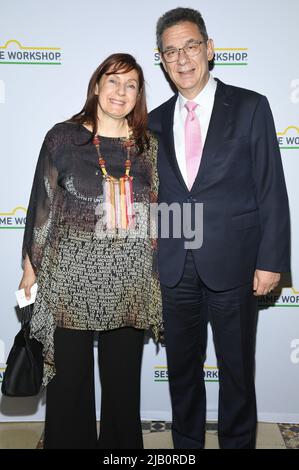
(88, 244)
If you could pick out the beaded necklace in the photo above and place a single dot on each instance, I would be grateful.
(118, 192)
(128, 144)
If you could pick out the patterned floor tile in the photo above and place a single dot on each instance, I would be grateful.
(290, 434)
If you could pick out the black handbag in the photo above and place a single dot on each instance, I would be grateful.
(24, 371)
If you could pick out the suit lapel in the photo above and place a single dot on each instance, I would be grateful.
(218, 129)
(169, 139)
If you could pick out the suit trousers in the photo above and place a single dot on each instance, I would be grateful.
(70, 403)
(187, 309)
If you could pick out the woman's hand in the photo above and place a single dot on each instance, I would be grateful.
(28, 279)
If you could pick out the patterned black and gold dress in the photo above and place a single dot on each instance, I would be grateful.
(89, 277)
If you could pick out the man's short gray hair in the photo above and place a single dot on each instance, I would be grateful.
(176, 16)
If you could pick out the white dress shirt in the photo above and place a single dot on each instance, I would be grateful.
(205, 100)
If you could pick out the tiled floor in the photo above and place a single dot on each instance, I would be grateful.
(20, 435)
(290, 434)
(156, 435)
(269, 437)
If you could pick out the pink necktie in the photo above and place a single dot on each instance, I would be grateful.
(193, 143)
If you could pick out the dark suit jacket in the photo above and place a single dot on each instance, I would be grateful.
(241, 185)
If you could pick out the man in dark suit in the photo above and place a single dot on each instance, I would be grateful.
(217, 148)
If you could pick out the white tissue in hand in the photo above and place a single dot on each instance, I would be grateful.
(21, 299)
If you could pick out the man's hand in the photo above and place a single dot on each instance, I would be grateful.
(264, 282)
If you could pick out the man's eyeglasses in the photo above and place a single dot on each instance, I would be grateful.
(191, 49)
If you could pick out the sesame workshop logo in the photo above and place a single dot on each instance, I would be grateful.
(211, 374)
(289, 138)
(2, 360)
(2, 370)
(288, 297)
(231, 56)
(157, 57)
(223, 56)
(13, 52)
(16, 219)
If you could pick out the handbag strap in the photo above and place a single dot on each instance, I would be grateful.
(26, 314)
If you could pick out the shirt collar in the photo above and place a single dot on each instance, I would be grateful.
(204, 97)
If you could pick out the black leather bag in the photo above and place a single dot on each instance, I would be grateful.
(24, 370)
